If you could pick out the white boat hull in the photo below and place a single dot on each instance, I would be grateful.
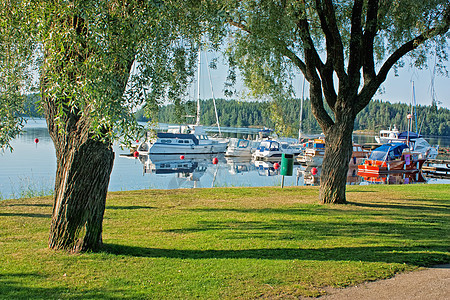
(186, 149)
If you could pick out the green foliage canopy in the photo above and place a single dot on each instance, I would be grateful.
(96, 60)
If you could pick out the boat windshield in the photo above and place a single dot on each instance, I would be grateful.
(388, 152)
(243, 143)
(378, 155)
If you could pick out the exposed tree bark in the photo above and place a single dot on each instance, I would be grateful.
(338, 151)
(81, 186)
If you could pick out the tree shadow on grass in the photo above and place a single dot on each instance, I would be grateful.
(19, 286)
(28, 204)
(430, 207)
(28, 215)
(410, 255)
(129, 207)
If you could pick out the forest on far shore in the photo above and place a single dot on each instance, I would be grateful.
(284, 116)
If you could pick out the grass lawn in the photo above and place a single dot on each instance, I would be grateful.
(227, 243)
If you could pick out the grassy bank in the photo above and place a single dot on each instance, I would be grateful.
(227, 243)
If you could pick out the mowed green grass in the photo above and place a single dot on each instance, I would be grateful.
(227, 243)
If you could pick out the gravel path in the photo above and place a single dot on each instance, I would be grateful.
(432, 283)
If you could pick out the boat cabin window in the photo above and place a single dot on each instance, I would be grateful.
(166, 141)
(243, 144)
(274, 146)
(265, 144)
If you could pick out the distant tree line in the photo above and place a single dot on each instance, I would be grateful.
(431, 120)
(285, 116)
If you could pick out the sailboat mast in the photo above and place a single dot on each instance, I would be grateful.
(212, 94)
(415, 107)
(198, 88)
(301, 112)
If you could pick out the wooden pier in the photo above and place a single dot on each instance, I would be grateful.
(437, 168)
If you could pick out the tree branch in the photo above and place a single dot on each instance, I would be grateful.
(368, 40)
(239, 25)
(314, 65)
(335, 48)
(356, 37)
(371, 86)
(293, 57)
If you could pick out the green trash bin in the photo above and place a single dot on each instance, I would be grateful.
(287, 164)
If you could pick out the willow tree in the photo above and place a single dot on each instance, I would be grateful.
(344, 49)
(97, 60)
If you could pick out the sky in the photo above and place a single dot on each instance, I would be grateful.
(395, 89)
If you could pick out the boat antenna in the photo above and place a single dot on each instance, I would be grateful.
(212, 94)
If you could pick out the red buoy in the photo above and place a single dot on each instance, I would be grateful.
(215, 161)
(136, 154)
(36, 140)
(137, 141)
(314, 171)
(276, 166)
(181, 157)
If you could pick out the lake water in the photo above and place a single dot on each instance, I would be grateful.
(30, 169)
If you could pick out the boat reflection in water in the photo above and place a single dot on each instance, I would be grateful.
(187, 168)
(394, 178)
(239, 165)
(185, 171)
(311, 175)
(267, 168)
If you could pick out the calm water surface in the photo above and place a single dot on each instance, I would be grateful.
(30, 169)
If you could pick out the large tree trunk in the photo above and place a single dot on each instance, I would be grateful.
(83, 171)
(81, 186)
(338, 151)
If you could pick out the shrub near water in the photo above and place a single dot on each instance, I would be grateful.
(227, 243)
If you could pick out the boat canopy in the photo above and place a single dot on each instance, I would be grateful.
(408, 134)
(388, 151)
(186, 136)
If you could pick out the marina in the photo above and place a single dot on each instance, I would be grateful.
(30, 169)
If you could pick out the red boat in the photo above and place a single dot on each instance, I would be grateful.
(391, 158)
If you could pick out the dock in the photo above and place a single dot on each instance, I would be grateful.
(437, 168)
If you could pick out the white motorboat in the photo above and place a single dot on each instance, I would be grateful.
(386, 135)
(190, 140)
(241, 147)
(271, 149)
(416, 144)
